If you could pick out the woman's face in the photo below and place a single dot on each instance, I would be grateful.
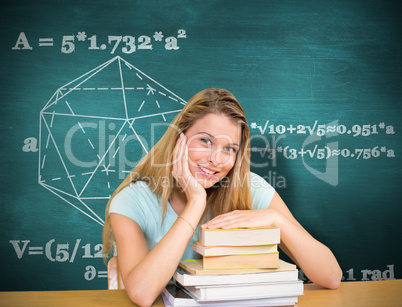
(213, 142)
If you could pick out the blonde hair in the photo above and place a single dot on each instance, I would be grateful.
(157, 163)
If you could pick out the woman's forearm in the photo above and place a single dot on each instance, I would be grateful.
(315, 259)
(146, 280)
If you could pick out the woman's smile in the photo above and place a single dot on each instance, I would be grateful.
(207, 172)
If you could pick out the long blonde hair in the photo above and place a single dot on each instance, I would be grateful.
(157, 163)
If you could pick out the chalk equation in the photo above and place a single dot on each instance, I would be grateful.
(324, 152)
(127, 44)
(62, 252)
(321, 129)
(361, 275)
(57, 252)
(91, 273)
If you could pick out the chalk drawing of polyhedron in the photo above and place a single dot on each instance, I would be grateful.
(95, 129)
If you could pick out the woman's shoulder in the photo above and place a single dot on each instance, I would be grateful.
(136, 201)
(262, 192)
(135, 191)
(257, 181)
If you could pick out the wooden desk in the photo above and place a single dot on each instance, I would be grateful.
(384, 293)
(359, 293)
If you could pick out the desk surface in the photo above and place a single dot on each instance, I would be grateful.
(359, 293)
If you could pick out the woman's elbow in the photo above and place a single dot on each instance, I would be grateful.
(141, 298)
(335, 280)
(330, 279)
(334, 284)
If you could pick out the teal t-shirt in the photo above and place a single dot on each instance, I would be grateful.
(139, 203)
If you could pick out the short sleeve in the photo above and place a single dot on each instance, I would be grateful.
(139, 203)
(262, 192)
(128, 202)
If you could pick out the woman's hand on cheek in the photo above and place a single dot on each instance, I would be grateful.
(182, 174)
(245, 219)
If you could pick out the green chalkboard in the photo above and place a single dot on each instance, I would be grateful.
(89, 87)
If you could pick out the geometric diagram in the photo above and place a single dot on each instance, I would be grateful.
(96, 128)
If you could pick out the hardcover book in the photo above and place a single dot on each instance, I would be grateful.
(286, 272)
(257, 261)
(174, 295)
(240, 236)
(245, 291)
(233, 250)
(194, 266)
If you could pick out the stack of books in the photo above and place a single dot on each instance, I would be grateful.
(240, 248)
(239, 267)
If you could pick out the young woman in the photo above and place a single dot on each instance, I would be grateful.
(198, 174)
